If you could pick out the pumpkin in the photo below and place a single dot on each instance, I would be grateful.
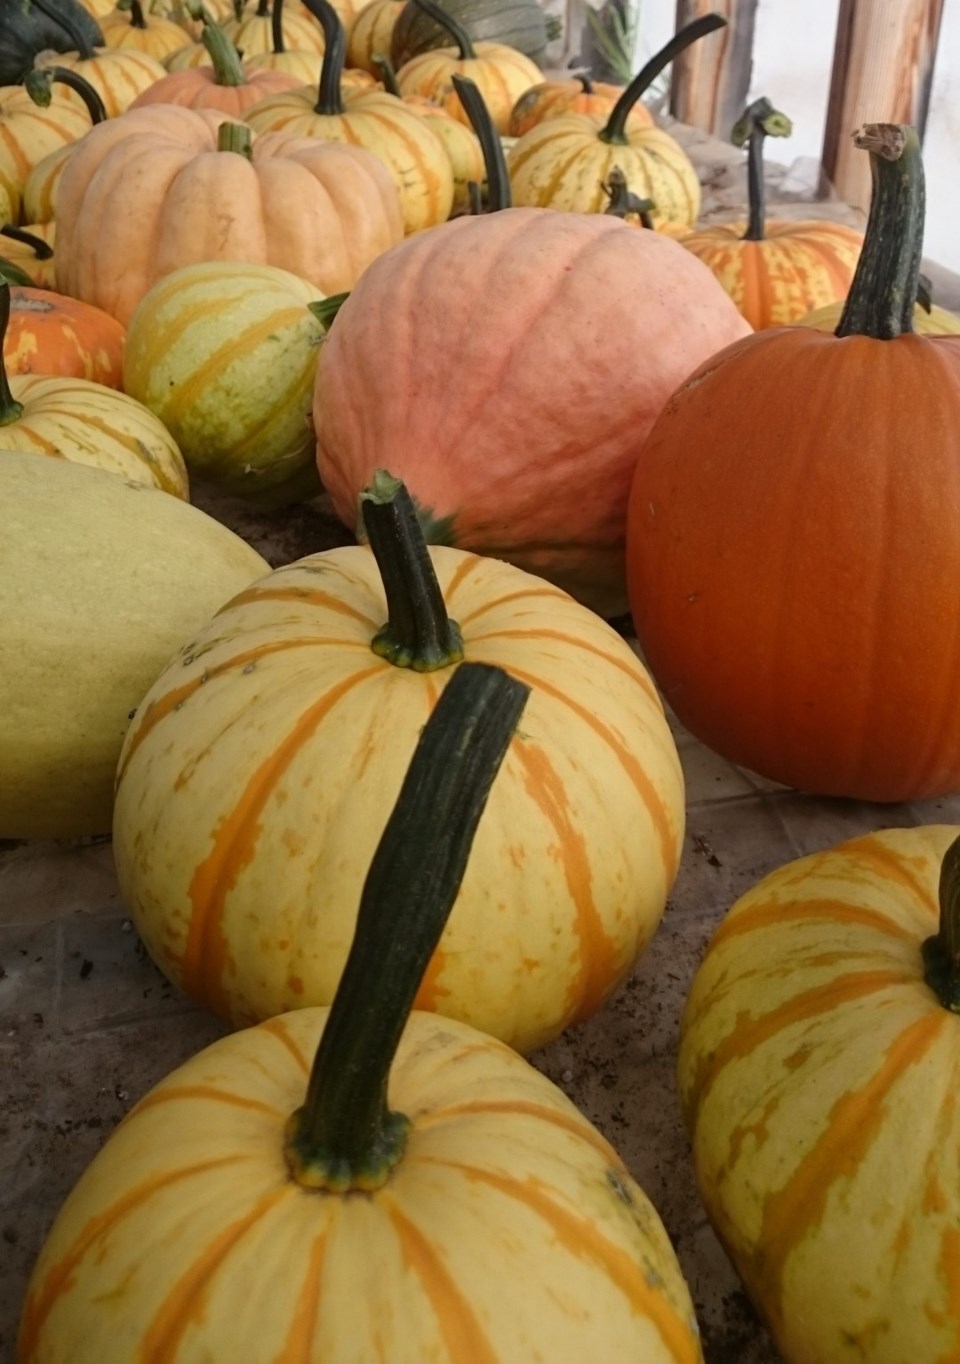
(117, 75)
(31, 251)
(532, 462)
(414, 156)
(816, 1064)
(82, 421)
(554, 98)
(775, 271)
(322, 213)
(29, 27)
(564, 162)
(40, 185)
(103, 579)
(304, 64)
(571, 876)
(791, 612)
(254, 33)
(371, 33)
(128, 27)
(226, 84)
(423, 1164)
(520, 24)
(34, 123)
(501, 73)
(226, 356)
(49, 333)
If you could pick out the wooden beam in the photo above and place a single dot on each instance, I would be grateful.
(882, 72)
(711, 80)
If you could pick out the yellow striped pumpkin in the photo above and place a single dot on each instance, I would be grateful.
(31, 250)
(817, 1068)
(225, 354)
(28, 133)
(117, 75)
(259, 771)
(417, 1193)
(132, 29)
(371, 33)
(412, 153)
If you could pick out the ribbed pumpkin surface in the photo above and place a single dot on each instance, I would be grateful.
(197, 88)
(28, 133)
(563, 164)
(160, 39)
(118, 77)
(556, 98)
(50, 333)
(246, 889)
(796, 267)
(86, 423)
(501, 75)
(371, 32)
(510, 1231)
(818, 1078)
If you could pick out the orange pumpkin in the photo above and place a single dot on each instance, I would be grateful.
(49, 333)
(776, 271)
(320, 211)
(794, 532)
(226, 84)
(554, 98)
(380, 122)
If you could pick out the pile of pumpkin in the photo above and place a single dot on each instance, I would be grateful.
(272, 277)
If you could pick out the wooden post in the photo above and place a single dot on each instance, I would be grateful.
(882, 72)
(711, 80)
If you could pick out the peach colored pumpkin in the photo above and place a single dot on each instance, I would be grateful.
(545, 346)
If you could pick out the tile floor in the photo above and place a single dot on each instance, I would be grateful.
(87, 1024)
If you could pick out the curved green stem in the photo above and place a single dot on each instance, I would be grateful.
(498, 178)
(450, 25)
(418, 634)
(227, 66)
(345, 1136)
(10, 409)
(388, 73)
(235, 137)
(760, 121)
(623, 202)
(38, 84)
(41, 249)
(13, 274)
(276, 27)
(941, 953)
(329, 98)
(616, 125)
(884, 290)
(73, 31)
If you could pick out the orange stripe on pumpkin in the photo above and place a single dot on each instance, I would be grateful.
(492, 603)
(206, 954)
(172, 1093)
(774, 912)
(276, 1028)
(298, 1346)
(631, 667)
(328, 601)
(566, 1122)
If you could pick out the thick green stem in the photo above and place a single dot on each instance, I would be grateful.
(73, 31)
(498, 178)
(38, 84)
(345, 1136)
(325, 309)
(418, 634)
(10, 409)
(616, 126)
(623, 202)
(450, 25)
(329, 98)
(388, 73)
(136, 15)
(235, 137)
(884, 290)
(41, 249)
(276, 27)
(760, 121)
(227, 66)
(941, 953)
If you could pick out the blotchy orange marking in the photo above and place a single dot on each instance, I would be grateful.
(165, 705)
(206, 1092)
(599, 968)
(773, 912)
(206, 954)
(583, 1239)
(663, 826)
(853, 1123)
(298, 1346)
(578, 1126)
(185, 1302)
(894, 866)
(802, 1007)
(460, 1328)
(59, 1279)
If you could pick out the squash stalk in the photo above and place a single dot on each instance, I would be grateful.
(615, 130)
(227, 66)
(623, 202)
(498, 178)
(38, 84)
(941, 953)
(276, 27)
(136, 15)
(10, 409)
(345, 1137)
(418, 634)
(329, 98)
(41, 249)
(884, 289)
(235, 137)
(450, 25)
(73, 30)
(759, 122)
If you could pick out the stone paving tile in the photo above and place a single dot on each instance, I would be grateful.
(39, 881)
